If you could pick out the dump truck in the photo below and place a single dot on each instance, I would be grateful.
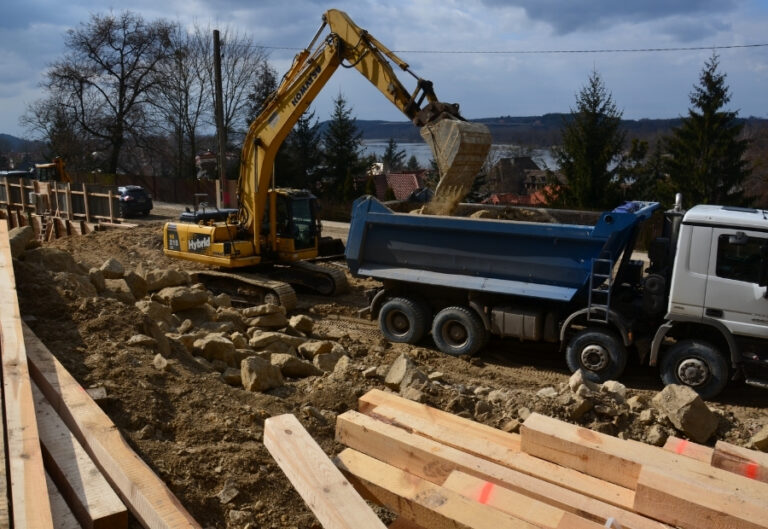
(697, 310)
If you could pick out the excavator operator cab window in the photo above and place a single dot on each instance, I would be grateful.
(303, 217)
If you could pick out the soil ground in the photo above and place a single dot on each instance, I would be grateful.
(201, 435)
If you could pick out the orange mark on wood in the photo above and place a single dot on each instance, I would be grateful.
(750, 470)
(681, 446)
(485, 492)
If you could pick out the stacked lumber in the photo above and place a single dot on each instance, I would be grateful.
(67, 464)
(436, 470)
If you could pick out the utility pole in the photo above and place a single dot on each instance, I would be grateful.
(222, 200)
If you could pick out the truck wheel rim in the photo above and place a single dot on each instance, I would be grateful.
(455, 333)
(692, 372)
(398, 323)
(594, 357)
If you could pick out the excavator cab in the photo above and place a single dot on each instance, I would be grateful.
(297, 226)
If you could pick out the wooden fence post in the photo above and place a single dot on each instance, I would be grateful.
(111, 208)
(69, 200)
(85, 201)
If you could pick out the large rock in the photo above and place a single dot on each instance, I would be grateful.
(152, 329)
(327, 361)
(263, 310)
(687, 412)
(112, 269)
(302, 323)
(403, 372)
(119, 289)
(215, 347)
(160, 279)
(20, 238)
(578, 379)
(54, 260)
(264, 339)
(158, 312)
(198, 315)
(294, 367)
(182, 298)
(759, 441)
(136, 283)
(276, 320)
(233, 315)
(97, 279)
(260, 375)
(310, 350)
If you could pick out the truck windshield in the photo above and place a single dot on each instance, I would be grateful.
(739, 259)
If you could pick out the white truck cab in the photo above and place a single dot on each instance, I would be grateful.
(716, 324)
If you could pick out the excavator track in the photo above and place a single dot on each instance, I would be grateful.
(248, 288)
(324, 280)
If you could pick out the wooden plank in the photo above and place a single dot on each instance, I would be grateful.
(691, 503)
(453, 433)
(404, 523)
(28, 491)
(85, 201)
(742, 461)
(433, 461)
(86, 491)
(5, 518)
(618, 460)
(317, 480)
(690, 449)
(427, 504)
(519, 505)
(62, 515)
(143, 492)
(509, 442)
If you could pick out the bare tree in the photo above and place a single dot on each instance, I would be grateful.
(106, 79)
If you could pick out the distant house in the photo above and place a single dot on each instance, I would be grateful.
(509, 175)
(402, 184)
(537, 198)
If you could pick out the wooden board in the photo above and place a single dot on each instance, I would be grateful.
(423, 502)
(520, 505)
(690, 449)
(404, 523)
(28, 489)
(143, 492)
(617, 460)
(86, 491)
(493, 448)
(507, 442)
(322, 486)
(742, 461)
(694, 504)
(433, 461)
(5, 518)
(62, 514)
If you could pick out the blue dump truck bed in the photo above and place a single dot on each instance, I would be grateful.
(547, 261)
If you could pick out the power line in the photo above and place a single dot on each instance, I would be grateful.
(544, 52)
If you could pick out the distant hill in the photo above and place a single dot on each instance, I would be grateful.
(533, 131)
(10, 143)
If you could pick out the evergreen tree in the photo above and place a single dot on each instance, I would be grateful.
(413, 164)
(393, 158)
(266, 84)
(592, 141)
(706, 153)
(370, 186)
(342, 142)
(300, 156)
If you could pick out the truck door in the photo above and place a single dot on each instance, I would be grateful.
(733, 295)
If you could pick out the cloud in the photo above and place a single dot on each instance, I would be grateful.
(567, 16)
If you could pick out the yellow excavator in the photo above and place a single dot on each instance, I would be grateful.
(280, 227)
(52, 172)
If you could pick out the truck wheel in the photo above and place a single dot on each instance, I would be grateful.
(695, 364)
(458, 331)
(599, 353)
(403, 320)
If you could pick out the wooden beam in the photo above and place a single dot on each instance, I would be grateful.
(690, 449)
(433, 461)
(28, 489)
(403, 523)
(428, 505)
(509, 442)
(692, 503)
(496, 448)
(742, 461)
(62, 514)
(5, 517)
(86, 491)
(143, 492)
(520, 505)
(322, 486)
(619, 460)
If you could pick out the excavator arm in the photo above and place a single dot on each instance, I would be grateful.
(460, 147)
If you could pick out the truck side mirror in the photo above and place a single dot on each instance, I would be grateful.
(739, 238)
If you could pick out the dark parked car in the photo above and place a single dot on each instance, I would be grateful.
(134, 200)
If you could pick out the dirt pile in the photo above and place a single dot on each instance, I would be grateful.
(170, 357)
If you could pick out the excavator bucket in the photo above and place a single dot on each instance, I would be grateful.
(460, 149)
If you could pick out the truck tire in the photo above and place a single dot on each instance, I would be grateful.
(458, 331)
(597, 352)
(695, 364)
(403, 320)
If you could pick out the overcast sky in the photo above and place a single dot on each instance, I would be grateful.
(643, 84)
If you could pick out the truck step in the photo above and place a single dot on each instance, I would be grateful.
(758, 383)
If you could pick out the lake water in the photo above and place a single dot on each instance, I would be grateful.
(543, 157)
